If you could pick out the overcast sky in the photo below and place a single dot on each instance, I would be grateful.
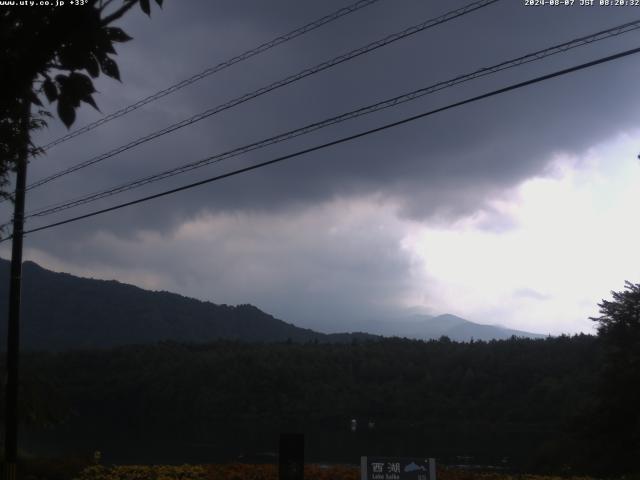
(519, 210)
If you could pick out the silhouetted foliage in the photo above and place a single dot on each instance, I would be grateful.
(616, 419)
(488, 400)
(53, 53)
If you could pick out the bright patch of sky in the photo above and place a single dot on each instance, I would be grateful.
(543, 256)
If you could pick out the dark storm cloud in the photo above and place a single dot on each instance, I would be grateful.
(445, 165)
(329, 268)
(283, 237)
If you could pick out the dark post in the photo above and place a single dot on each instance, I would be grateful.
(13, 334)
(291, 456)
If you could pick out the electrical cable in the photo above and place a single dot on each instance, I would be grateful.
(531, 57)
(273, 86)
(340, 140)
(215, 69)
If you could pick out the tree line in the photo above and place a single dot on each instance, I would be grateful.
(515, 403)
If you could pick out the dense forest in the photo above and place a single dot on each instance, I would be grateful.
(519, 403)
(557, 405)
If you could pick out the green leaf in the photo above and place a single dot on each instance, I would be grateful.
(61, 79)
(73, 100)
(116, 34)
(81, 84)
(92, 66)
(102, 43)
(68, 95)
(33, 98)
(89, 99)
(146, 8)
(73, 55)
(66, 112)
(50, 90)
(110, 68)
(107, 45)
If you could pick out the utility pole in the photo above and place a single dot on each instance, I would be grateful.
(13, 327)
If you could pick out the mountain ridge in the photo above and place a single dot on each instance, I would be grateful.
(432, 327)
(62, 311)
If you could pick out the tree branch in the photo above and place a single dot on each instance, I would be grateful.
(118, 13)
(104, 5)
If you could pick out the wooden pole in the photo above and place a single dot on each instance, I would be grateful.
(13, 334)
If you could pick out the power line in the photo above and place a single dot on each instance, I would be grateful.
(524, 59)
(341, 140)
(215, 69)
(273, 86)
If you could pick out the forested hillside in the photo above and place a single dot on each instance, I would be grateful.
(511, 403)
(61, 311)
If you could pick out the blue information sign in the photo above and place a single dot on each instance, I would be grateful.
(397, 468)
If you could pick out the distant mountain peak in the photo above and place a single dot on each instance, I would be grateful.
(425, 327)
